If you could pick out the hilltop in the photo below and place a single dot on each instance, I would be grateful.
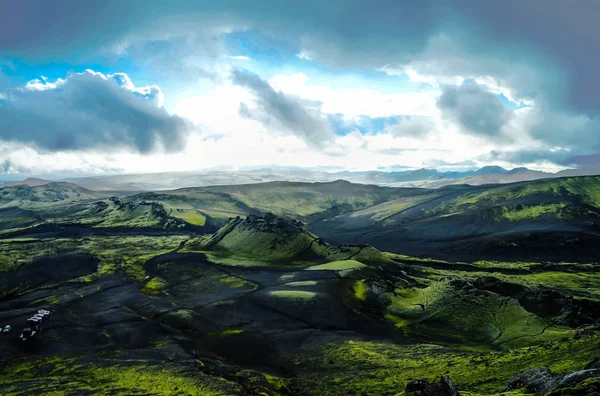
(497, 220)
(274, 240)
(50, 192)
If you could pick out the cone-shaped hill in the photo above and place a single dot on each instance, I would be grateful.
(278, 240)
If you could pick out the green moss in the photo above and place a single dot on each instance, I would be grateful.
(293, 294)
(54, 300)
(154, 286)
(225, 333)
(189, 215)
(302, 283)
(379, 367)
(360, 290)
(521, 212)
(466, 316)
(278, 383)
(235, 282)
(338, 265)
(71, 376)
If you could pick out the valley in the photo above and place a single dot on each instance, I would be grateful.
(290, 288)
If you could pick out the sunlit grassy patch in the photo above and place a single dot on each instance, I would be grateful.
(522, 212)
(67, 376)
(154, 286)
(225, 333)
(338, 265)
(360, 290)
(191, 216)
(302, 283)
(293, 294)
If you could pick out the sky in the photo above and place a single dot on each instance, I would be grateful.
(151, 86)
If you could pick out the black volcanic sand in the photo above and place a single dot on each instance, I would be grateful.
(207, 311)
(224, 323)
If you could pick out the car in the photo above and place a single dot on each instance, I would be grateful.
(7, 329)
(27, 333)
(34, 323)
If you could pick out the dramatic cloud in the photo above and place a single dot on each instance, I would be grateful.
(90, 111)
(541, 54)
(463, 37)
(278, 111)
(474, 108)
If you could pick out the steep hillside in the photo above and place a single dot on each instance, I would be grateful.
(265, 239)
(565, 210)
(303, 199)
(282, 241)
(138, 214)
(214, 205)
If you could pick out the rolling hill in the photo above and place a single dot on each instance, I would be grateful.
(495, 221)
(429, 178)
(48, 193)
(508, 217)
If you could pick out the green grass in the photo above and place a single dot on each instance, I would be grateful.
(354, 367)
(530, 212)
(68, 376)
(187, 214)
(225, 333)
(293, 294)
(122, 253)
(338, 265)
(573, 190)
(468, 316)
(154, 286)
(302, 283)
(360, 290)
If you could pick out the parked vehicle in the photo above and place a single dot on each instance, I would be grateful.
(7, 329)
(27, 334)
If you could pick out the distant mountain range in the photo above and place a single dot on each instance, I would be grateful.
(424, 178)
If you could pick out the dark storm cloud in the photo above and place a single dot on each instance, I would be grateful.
(552, 37)
(89, 111)
(546, 51)
(280, 111)
(474, 108)
(565, 30)
(584, 161)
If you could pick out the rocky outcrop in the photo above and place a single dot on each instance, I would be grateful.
(549, 304)
(273, 224)
(539, 380)
(542, 381)
(422, 387)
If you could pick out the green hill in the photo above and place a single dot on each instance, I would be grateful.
(491, 221)
(499, 216)
(270, 239)
(50, 193)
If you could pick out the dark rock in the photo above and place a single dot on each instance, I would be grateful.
(594, 364)
(270, 223)
(539, 380)
(422, 387)
(578, 376)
